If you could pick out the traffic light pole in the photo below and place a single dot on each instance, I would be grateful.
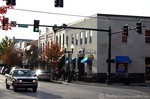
(108, 80)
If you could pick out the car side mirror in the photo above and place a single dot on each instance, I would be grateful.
(34, 75)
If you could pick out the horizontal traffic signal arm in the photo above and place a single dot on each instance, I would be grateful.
(69, 27)
(138, 26)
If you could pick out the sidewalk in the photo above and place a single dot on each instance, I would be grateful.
(101, 84)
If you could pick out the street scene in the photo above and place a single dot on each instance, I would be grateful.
(55, 90)
(74, 49)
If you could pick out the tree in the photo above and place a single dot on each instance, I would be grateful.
(6, 42)
(52, 53)
(3, 10)
(11, 57)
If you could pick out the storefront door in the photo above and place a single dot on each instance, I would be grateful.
(147, 74)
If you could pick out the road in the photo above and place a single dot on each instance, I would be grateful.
(50, 90)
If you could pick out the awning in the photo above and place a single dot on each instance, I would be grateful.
(86, 60)
(28, 47)
(73, 60)
(122, 59)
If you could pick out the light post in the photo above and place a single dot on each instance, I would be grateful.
(69, 61)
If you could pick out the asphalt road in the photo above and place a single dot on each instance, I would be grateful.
(50, 90)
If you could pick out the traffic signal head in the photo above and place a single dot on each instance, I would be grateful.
(36, 26)
(59, 3)
(139, 28)
(10, 2)
(5, 24)
(125, 30)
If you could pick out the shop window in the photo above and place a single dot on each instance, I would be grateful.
(123, 66)
(147, 36)
(147, 61)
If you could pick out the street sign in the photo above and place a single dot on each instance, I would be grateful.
(13, 23)
(22, 25)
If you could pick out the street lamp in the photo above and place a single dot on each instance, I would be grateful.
(69, 61)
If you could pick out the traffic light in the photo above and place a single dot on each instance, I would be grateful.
(36, 26)
(10, 2)
(59, 3)
(139, 27)
(125, 30)
(5, 24)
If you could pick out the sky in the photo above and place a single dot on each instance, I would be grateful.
(26, 11)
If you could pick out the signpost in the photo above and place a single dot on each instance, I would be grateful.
(23, 25)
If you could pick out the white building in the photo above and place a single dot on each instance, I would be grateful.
(130, 52)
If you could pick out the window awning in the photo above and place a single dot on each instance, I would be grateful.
(122, 59)
(73, 60)
(86, 60)
(28, 47)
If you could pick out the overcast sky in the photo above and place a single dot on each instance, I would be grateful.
(49, 15)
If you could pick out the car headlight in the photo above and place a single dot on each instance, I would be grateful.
(35, 81)
(19, 81)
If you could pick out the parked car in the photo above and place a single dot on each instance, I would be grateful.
(21, 78)
(43, 75)
(4, 70)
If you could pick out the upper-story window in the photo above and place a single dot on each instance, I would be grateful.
(124, 37)
(147, 36)
(81, 36)
(77, 39)
(72, 36)
(63, 39)
(90, 36)
(85, 37)
(67, 40)
(57, 39)
(60, 39)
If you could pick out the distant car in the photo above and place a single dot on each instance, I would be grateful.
(21, 78)
(43, 75)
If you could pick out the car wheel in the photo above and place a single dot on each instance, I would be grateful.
(34, 89)
(14, 89)
(7, 86)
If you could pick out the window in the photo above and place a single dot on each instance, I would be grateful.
(147, 61)
(90, 37)
(60, 39)
(67, 40)
(57, 39)
(72, 36)
(85, 37)
(63, 39)
(77, 39)
(124, 38)
(147, 36)
(81, 36)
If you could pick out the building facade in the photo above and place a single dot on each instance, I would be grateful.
(45, 38)
(91, 47)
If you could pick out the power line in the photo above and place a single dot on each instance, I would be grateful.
(53, 13)
(35, 11)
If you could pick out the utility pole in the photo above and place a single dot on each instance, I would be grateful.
(108, 80)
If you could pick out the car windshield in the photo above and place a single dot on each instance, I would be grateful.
(22, 73)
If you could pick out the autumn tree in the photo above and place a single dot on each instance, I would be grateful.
(3, 11)
(52, 53)
(5, 42)
(11, 57)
